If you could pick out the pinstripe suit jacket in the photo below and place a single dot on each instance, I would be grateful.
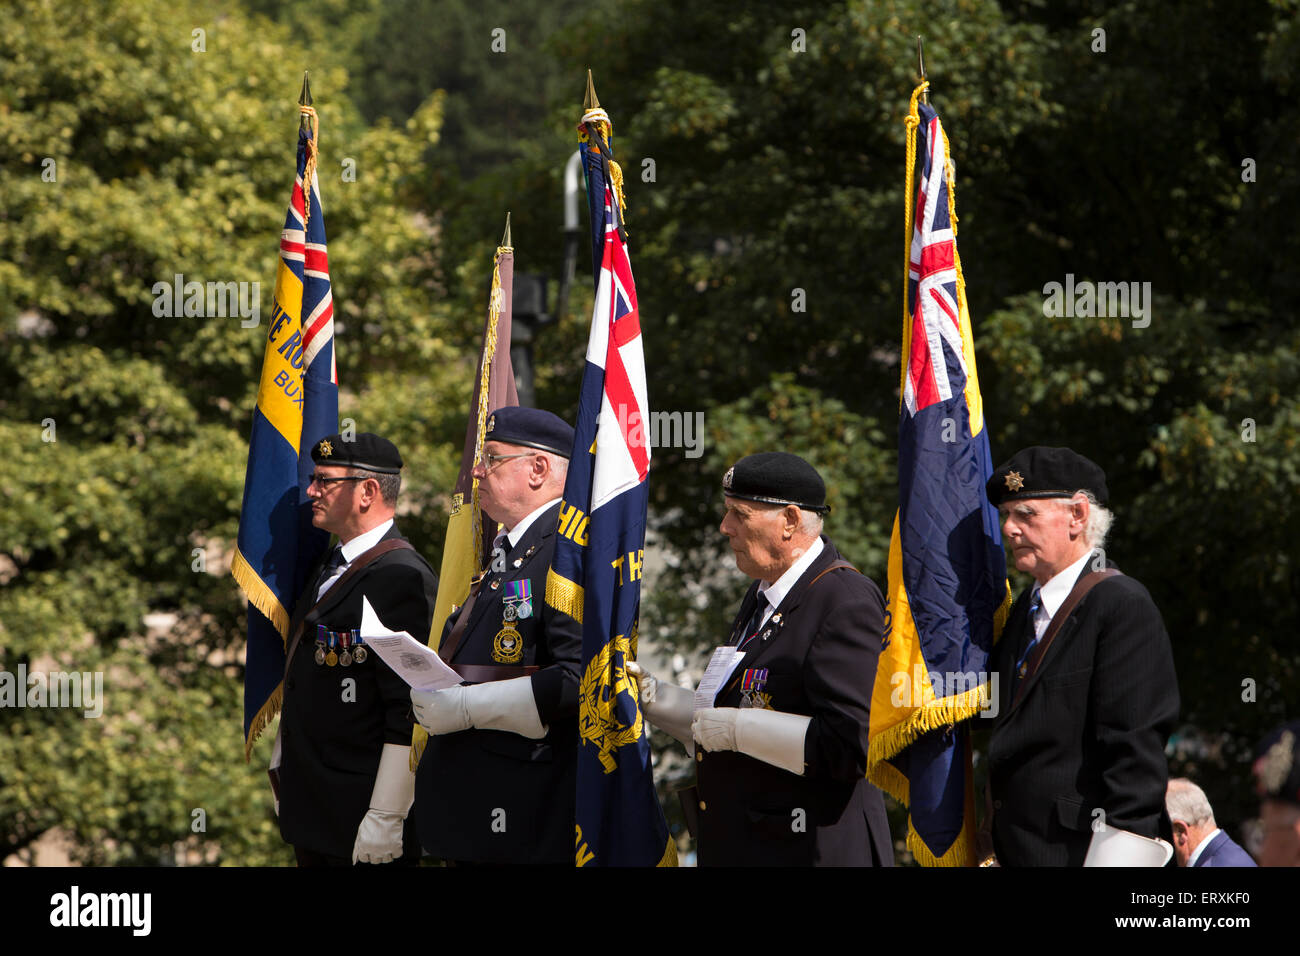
(1089, 731)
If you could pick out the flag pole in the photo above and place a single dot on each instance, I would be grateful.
(304, 99)
(920, 68)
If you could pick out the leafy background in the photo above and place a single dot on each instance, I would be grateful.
(753, 170)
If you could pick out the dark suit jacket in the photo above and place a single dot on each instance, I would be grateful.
(332, 738)
(1223, 851)
(490, 796)
(821, 661)
(1089, 731)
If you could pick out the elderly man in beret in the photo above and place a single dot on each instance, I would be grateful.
(1277, 778)
(781, 747)
(496, 782)
(1088, 692)
(345, 729)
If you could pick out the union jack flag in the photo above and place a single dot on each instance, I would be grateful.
(595, 575)
(297, 406)
(947, 589)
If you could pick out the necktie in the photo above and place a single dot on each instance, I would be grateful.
(754, 622)
(332, 565)
(500, 548)
(1035, 603)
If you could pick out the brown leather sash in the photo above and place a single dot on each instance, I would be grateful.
(447, 649)
(382, 548)
(1077, 594)
(486, 673)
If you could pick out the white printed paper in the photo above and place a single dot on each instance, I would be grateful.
(417, 664)
(723, 662)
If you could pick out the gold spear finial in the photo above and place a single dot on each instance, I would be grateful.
(304, 122)
(590, 102)
(920, 68)
(505, 240)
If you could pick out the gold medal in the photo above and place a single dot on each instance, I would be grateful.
(508, 645)
(331, 658)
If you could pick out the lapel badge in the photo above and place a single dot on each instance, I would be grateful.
(1014, 481)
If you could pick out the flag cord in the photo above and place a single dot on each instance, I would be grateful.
(309, 167)
(911, 122)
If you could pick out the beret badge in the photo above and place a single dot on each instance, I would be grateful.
(726, 479)
(326, 449)
(1014, 481)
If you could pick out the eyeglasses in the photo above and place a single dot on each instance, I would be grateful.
(316, 478)
(493, 460)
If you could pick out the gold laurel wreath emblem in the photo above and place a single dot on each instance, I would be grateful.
(601, 686)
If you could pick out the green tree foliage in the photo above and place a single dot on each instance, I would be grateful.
(126, 430)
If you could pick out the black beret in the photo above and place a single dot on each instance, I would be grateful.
(531, 428)
(778, 478)
(1277, 764)
(366, 450)
(1042, 472)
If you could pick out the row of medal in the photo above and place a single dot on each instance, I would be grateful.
(350, 647)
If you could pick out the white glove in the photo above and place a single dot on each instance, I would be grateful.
(668, 706)
(500, 705)
(767, 735)
(277, 754)
(379, 838)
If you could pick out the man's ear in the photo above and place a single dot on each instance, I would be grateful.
(789, 520)
(1079, 509)
(539, 470)
(369, 491)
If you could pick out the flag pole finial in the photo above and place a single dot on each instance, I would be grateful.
(590, 102)
(304, 99)
(920, 68)
(505, 240)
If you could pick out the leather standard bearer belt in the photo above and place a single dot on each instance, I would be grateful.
(487, 673)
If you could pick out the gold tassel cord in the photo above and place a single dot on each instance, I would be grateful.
(309, 167)
(495, 305)
(599, 120)
(912, 121)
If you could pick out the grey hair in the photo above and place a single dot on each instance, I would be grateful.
(1187, 803)
(1100, 519)
(389, 485)
(559, 468)
(810, 522)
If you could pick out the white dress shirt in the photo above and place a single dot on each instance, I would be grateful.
(353, 550)
(776, 591)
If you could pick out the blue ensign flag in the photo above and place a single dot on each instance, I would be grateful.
(595, 575)
(947, 590)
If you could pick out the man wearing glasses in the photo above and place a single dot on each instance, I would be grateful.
(345, 727)
(496, 781)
